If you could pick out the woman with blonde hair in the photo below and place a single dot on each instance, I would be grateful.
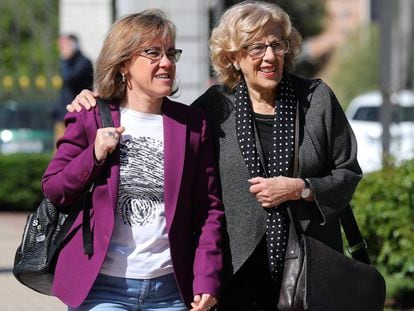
(253, 114)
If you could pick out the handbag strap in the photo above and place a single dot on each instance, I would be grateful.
(105, 113)
(106, 119)
(84, 202)
(358, 246)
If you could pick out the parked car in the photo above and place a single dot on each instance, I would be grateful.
(25, 127)
(363, 113)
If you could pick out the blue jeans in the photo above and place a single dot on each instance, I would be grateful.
(114, 293)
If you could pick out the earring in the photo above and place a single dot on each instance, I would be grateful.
(236, 66)
(123, 77)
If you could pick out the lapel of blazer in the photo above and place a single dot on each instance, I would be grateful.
(174, 122)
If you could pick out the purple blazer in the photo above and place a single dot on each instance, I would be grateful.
(194, 213)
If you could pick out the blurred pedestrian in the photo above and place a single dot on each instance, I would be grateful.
(76, 71)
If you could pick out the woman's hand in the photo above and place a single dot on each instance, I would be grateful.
(85, 99)
(273, 191)
(203, 303)
(106, 141)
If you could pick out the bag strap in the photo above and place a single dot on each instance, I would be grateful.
(105, 113)
(358, 246)
(106, 119)
(84, 202)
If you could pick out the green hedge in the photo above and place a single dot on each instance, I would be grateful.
(20, 178)
(384, 207)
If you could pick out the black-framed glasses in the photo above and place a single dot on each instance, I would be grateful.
(257, 50)
(157, 53)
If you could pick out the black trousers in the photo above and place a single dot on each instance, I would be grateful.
(251, 288)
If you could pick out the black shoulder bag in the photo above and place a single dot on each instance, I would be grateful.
(45, 234)
(317, 277)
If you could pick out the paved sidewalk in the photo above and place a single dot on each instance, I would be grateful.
(13, 295)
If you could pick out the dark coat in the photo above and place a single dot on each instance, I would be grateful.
(77, 74)
(327, 156)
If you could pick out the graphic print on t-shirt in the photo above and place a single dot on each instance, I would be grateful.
(141, 192)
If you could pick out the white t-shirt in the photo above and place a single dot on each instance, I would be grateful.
(139, 246)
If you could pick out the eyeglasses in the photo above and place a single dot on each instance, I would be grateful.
(157, 54)
(259, 49)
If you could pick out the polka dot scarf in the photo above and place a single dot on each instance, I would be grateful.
(278, 163)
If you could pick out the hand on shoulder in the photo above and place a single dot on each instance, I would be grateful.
(86, 99)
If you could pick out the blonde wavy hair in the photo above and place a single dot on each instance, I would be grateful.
(240, 26)
(125, 38)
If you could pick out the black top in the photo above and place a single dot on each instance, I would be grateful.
(264, 125)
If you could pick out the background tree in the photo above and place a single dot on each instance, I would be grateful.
(307, 15)
(356, 65)
(28, 51)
